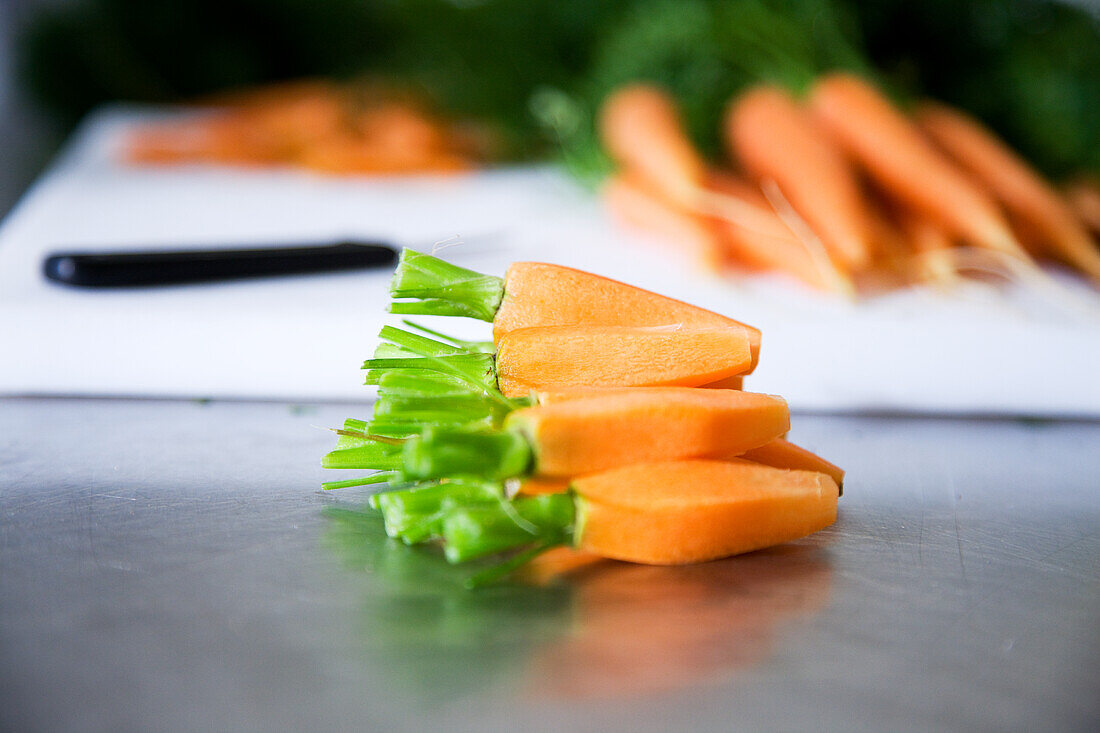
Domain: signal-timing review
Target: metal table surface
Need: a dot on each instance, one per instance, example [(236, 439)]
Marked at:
[(169, 566)]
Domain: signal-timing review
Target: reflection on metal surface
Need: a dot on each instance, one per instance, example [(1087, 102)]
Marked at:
[(438, 639), (642, 629), (580, 626)]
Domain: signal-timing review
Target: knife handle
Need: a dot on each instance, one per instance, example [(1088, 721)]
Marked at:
[(126, 269)]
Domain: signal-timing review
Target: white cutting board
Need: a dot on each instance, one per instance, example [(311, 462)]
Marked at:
[(978, 351)]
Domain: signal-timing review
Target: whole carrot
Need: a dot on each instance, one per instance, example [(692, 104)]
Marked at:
[(898, 157), (640, 127), (774, 138), (1019, 187)]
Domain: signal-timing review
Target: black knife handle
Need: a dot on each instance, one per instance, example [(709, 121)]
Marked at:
[(126, 269)]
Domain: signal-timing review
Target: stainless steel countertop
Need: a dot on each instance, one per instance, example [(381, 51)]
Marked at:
[(168, 566)]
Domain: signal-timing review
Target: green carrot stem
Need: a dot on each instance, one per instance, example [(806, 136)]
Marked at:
[(375, 478), (473, 531), (415, 514), (475, 368), (421, 383), (440, 288), (371, 455), (484, 347), (439, 452), (418, 344)]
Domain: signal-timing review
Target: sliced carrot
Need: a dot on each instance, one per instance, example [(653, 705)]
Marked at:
[(727, 383), (1018, 186), (581, 436), (538, 294), (781, 453), (894, 153), (637, 203), (549, 357), (775, 138), (676, 512)]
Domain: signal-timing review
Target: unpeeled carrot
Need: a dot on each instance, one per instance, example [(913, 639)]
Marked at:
[(1083, 197), (582, 436), (640, 127), (898, 157), (1019, 187), (636, 202), (775, 138), (554, 357), (677, 512)]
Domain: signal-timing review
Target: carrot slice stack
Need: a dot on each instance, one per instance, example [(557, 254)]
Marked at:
[(602, 417)]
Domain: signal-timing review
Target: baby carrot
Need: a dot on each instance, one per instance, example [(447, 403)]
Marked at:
[(599, 431), (539, 294), (689, 511), (661, 513), (556, 357)]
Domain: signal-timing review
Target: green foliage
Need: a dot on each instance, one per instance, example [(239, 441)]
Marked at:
[(537, 69), (1028, 68)]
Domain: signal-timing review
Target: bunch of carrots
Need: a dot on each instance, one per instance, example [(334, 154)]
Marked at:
[(600, 417), (321, 126), (842, 190)]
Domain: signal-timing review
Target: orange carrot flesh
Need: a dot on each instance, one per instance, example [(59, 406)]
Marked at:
[(781, 453), (1016, 184), (727, 383), (637, 203), (550, 357), (678, 512), (895, 154), (537, 294), (581, 436), (539, 486), (774, 138)]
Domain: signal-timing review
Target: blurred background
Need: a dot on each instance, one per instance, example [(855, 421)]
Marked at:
[(236, 122), (1027, 67)]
